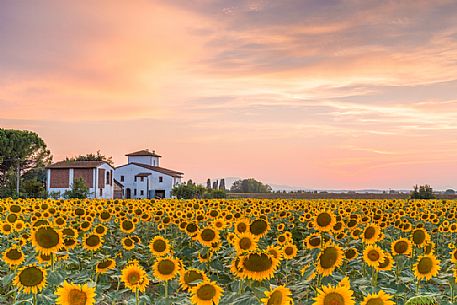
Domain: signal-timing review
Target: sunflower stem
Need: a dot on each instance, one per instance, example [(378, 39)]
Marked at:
[(34, 299), (418, 286), (137, 297), (166, 289), (52, 261)]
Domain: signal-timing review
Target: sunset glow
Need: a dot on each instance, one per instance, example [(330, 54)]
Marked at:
[(316, 94)]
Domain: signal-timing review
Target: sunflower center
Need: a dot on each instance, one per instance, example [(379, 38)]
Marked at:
[(100, 230), (13, 254), (241, 227), (166, 267), (369, 232), (334, 298), (77, 297), (128, 242), (328, 257), (245, 243), (324, 219), (401, 247), (373, 255), (192, 276), (289, 250), (105, 264), (425, 265), (275, 298), (160, 245), (350, 253), (315, 241), (93, 241), (385, 263), (191, 228), (258, 227), (206, 292), (47, 237), (133, 277), (31, 276), (258, 262), (127, 225), (375, 301), (208, 235), (419, 237)]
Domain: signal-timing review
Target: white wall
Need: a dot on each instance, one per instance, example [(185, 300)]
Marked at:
[(149, 160), (107, 192), (130, 170)]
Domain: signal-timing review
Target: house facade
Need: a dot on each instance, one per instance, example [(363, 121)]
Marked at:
[(98, 176), (143, 177)]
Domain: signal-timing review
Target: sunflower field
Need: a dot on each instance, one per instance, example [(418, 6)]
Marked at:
[(244, 251)]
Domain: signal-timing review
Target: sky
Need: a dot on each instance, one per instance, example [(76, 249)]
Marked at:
[(315, 94)]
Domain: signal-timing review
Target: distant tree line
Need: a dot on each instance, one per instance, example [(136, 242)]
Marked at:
[(422, 192), (250, 186)]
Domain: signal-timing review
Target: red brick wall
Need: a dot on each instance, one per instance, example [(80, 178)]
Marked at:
[(101, 178), (60, 178), (86, 174)]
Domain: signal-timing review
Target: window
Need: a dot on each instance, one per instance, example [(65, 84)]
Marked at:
[(141, 192), (142, 179), (122, 178), (160, 179), (134, 192), (107, 177), (101, 192)]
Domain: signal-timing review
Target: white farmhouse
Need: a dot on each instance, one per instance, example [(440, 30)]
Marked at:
[(143, 177), (98, 176)]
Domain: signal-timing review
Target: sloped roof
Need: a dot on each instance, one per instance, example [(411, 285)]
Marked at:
[(159, 169), (76, 164), (144, 152)]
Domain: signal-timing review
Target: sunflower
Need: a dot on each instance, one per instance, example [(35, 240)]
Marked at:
[(259, 227), (313, 241), (373, 255), (189, 278), (205, 256), (92, 242), (371, 234), (387, 263), (241, 226), (206, 293), (105, 265), (166, 268), (159, 246), (258, 265), (100, 230), (426, 267), (454, 256), (380, 298), (47, 240), (278, 296), (329, 259), (401, 246), (351, 254), (334, 295), (245, 242), (127, 226), (207, 236), (13, 256), (128, 243), (30, 279), (74, 294), (289, 251), (134, 277), (324, 221), (420, 237), (275, 251)]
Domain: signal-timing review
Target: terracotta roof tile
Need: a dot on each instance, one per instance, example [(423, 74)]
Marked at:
[(144, 152), (76, 164)]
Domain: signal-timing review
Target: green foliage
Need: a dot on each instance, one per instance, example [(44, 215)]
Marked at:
[(212, 193), (188, 190), (422, 300), (79, 189), (422, 192), (28, 151), (250, 186), (92, 157)]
